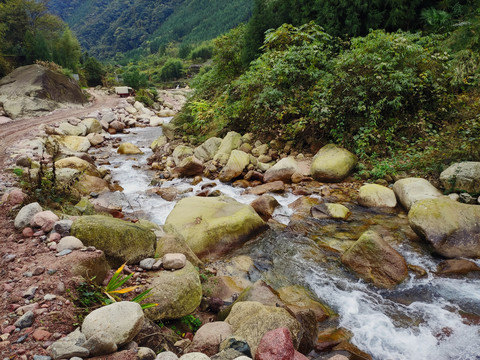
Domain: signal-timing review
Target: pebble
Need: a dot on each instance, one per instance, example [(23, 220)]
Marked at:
[(51, 271), (63, 252), (27, 232), (147, 264), (49, 297), (54, 237), (9, 329), (28, 274), (38, 233), (25, 320), (20, 340), (41, 335), (39, 270), (7, 287), (41, 357), (30, 293), (9, 257), (157, 265)]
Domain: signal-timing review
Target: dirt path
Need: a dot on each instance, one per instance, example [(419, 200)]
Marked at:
[(17, 130)]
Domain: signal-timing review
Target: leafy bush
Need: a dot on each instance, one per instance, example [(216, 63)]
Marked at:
[(172, 70), (135, 79), (202, 52), (145, 97)]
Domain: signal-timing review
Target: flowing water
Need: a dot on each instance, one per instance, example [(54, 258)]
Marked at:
[(427, 317)]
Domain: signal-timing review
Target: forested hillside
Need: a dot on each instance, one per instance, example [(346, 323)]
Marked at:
[(107, 28)]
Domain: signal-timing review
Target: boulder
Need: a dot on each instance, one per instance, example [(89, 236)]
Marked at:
[(299, 299), (230, 142), (69, 346), (237, 162), (189, 166), (207, 150), (169, 131), (374, 260), (66, 128), (411, 190), (44, 220), (71, 143), (158, 142), (155, 121), (276, 187), (122, 241), (211, 226), (456, 267), (251, 320), (328, 210), (181, 152), (463, 176), (101, 343), (33, 90), (87, 264), (177, 293), (76, 163), (282, 170), (25, 215), (108, 115), (265, 206), (87, 184), (117, 125), (95, 139), (208, 338), (93, 126), (129, 149), (276, 345), (373, 195), (332, 164), (121, 320), (452, 228)]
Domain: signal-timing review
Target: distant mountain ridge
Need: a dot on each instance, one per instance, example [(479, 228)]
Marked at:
[(107, 27)]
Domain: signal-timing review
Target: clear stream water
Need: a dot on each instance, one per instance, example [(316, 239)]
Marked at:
[(423, 318)]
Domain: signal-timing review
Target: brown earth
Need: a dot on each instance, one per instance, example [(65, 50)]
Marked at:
[(27, 261)]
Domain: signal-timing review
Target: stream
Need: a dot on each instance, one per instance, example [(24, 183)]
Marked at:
[(426, 317)]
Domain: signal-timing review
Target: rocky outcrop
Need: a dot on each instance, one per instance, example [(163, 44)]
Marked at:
[(411, 190), (121, 241), (211, 226), (374, 260), (332, 164), (463, 176), (373, 195), (177, 293), (452, 228), (34, 90)]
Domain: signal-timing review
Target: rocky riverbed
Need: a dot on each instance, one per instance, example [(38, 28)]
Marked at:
[(281, 254)]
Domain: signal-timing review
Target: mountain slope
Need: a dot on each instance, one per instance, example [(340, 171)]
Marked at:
[(107, 27)]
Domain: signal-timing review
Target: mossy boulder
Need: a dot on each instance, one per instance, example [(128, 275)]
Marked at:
[(299, 299), (181, 152), (329, 210), (71, 143), (168, 243), (374, 195), (122, 241), (207, 150), (332, 164), (237, 162), (250, 320), (93, 126), (91, 184), (452, 228), (375, 261), (177, 293), (66, 128), (211, 226), (76, 163), (129, 149), (159, 142), (230, 142), (463, 176)]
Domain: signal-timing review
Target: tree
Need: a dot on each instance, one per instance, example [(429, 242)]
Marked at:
[(93, 71), (67, 51)]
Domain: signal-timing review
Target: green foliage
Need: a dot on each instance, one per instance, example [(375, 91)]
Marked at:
[(133, 78), (172, 70), (145, 97), (93, 71), (202, 52), (191, 322)]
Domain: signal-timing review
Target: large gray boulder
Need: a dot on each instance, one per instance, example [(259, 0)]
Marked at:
[(463, 176), (374, 260), (411, 190), (34, 90), (177, 293), (282, 170), (69, 346), (122, 241), (452, 228), (211, 226), (237, 162), (207, 150), (121, 320), (332, 164), (26, 214)]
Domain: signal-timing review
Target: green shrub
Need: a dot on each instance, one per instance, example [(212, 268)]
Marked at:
[(172, 70), (202, 52)]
